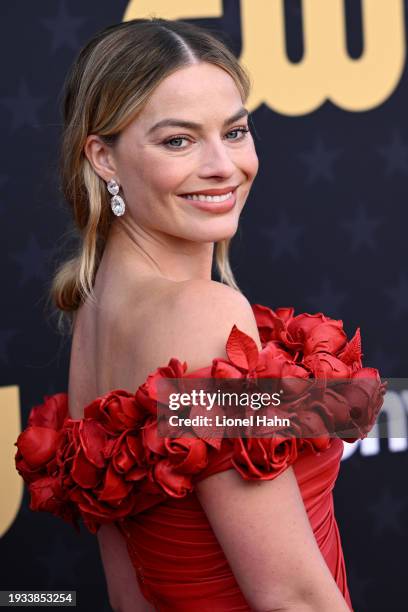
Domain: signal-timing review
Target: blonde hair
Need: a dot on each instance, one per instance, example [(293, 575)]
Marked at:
[(108, 83)]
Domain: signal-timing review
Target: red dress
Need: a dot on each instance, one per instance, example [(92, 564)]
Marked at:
[(112, 466)]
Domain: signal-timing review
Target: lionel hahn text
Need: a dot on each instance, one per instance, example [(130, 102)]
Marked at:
[(222, 421)]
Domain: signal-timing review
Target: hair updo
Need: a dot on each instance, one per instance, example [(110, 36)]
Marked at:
[(109, 82)]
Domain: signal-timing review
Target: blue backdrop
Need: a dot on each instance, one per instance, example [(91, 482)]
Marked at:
[(324, 229)]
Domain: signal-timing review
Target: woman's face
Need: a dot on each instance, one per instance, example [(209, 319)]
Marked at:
[(157, 165)]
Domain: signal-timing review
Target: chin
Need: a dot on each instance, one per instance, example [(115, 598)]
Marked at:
[(215, 230)]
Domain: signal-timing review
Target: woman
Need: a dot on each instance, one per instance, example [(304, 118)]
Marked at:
[(157, 163)]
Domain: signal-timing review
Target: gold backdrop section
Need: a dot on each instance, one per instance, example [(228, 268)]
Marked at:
[(11, 484), (326, 72)]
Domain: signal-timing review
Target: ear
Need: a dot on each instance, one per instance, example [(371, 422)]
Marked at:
[(100, 157)]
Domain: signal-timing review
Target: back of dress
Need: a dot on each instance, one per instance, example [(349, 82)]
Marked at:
[(111, 466)]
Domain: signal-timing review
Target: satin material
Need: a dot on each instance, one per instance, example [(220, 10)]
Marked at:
[(112, 465), (179, 563)]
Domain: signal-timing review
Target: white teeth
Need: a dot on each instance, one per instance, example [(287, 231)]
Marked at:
[(208, 198)]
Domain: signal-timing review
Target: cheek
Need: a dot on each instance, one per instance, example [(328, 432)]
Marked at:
[(251, 162), (147, 168), (166, 176), (247, 161)]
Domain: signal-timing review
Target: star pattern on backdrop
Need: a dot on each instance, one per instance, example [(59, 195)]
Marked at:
[(361, 229), (395, 155), (23, 107), (63, 28), (33, 260), (389, 512), (327, 299), (398, 295), (319, 161), (326, 220), (283, 237)]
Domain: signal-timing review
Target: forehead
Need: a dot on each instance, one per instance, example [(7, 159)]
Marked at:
[(198, 88)]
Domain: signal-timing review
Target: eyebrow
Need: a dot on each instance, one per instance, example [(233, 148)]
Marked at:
[(192, 125)]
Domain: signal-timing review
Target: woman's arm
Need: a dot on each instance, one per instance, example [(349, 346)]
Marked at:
[(123, 589), (266, 536), (263, 526)]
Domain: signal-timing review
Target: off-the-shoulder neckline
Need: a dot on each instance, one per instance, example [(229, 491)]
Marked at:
[(192, 373), (256, 307), (267, 321)]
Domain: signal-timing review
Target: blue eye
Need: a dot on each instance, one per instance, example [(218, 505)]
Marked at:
[(175, 138), (243, 130)]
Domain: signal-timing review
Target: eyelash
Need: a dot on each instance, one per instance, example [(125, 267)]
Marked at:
[(244, 131)]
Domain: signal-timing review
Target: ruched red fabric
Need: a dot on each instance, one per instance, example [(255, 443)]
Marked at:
[(111, 466), (179, 563)]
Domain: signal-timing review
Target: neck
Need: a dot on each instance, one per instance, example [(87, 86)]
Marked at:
[(158, 254)]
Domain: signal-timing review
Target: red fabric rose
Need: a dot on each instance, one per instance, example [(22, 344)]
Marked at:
[(147, 393), (173, 460), (319, 344), (106, 465), (112, 463), (51, 413), (185, 457), (305, 333), (35, 459), (365, 395), (264, 458)]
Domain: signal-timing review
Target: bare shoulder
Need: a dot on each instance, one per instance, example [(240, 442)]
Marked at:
[(213, 307), (203, 314), (211, 294), (189, 320)]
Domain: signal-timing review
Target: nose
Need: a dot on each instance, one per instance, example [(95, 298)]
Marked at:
[(217, 160)]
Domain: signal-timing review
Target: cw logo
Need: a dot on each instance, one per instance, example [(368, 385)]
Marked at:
[(326, 71)]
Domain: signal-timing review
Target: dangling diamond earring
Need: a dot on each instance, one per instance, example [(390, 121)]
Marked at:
[(117, 202)]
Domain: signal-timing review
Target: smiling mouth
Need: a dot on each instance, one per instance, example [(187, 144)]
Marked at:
[(216, 204), (208, 198), (211, 195)]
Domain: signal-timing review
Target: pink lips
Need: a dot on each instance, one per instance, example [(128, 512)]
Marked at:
[(214, 207)]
